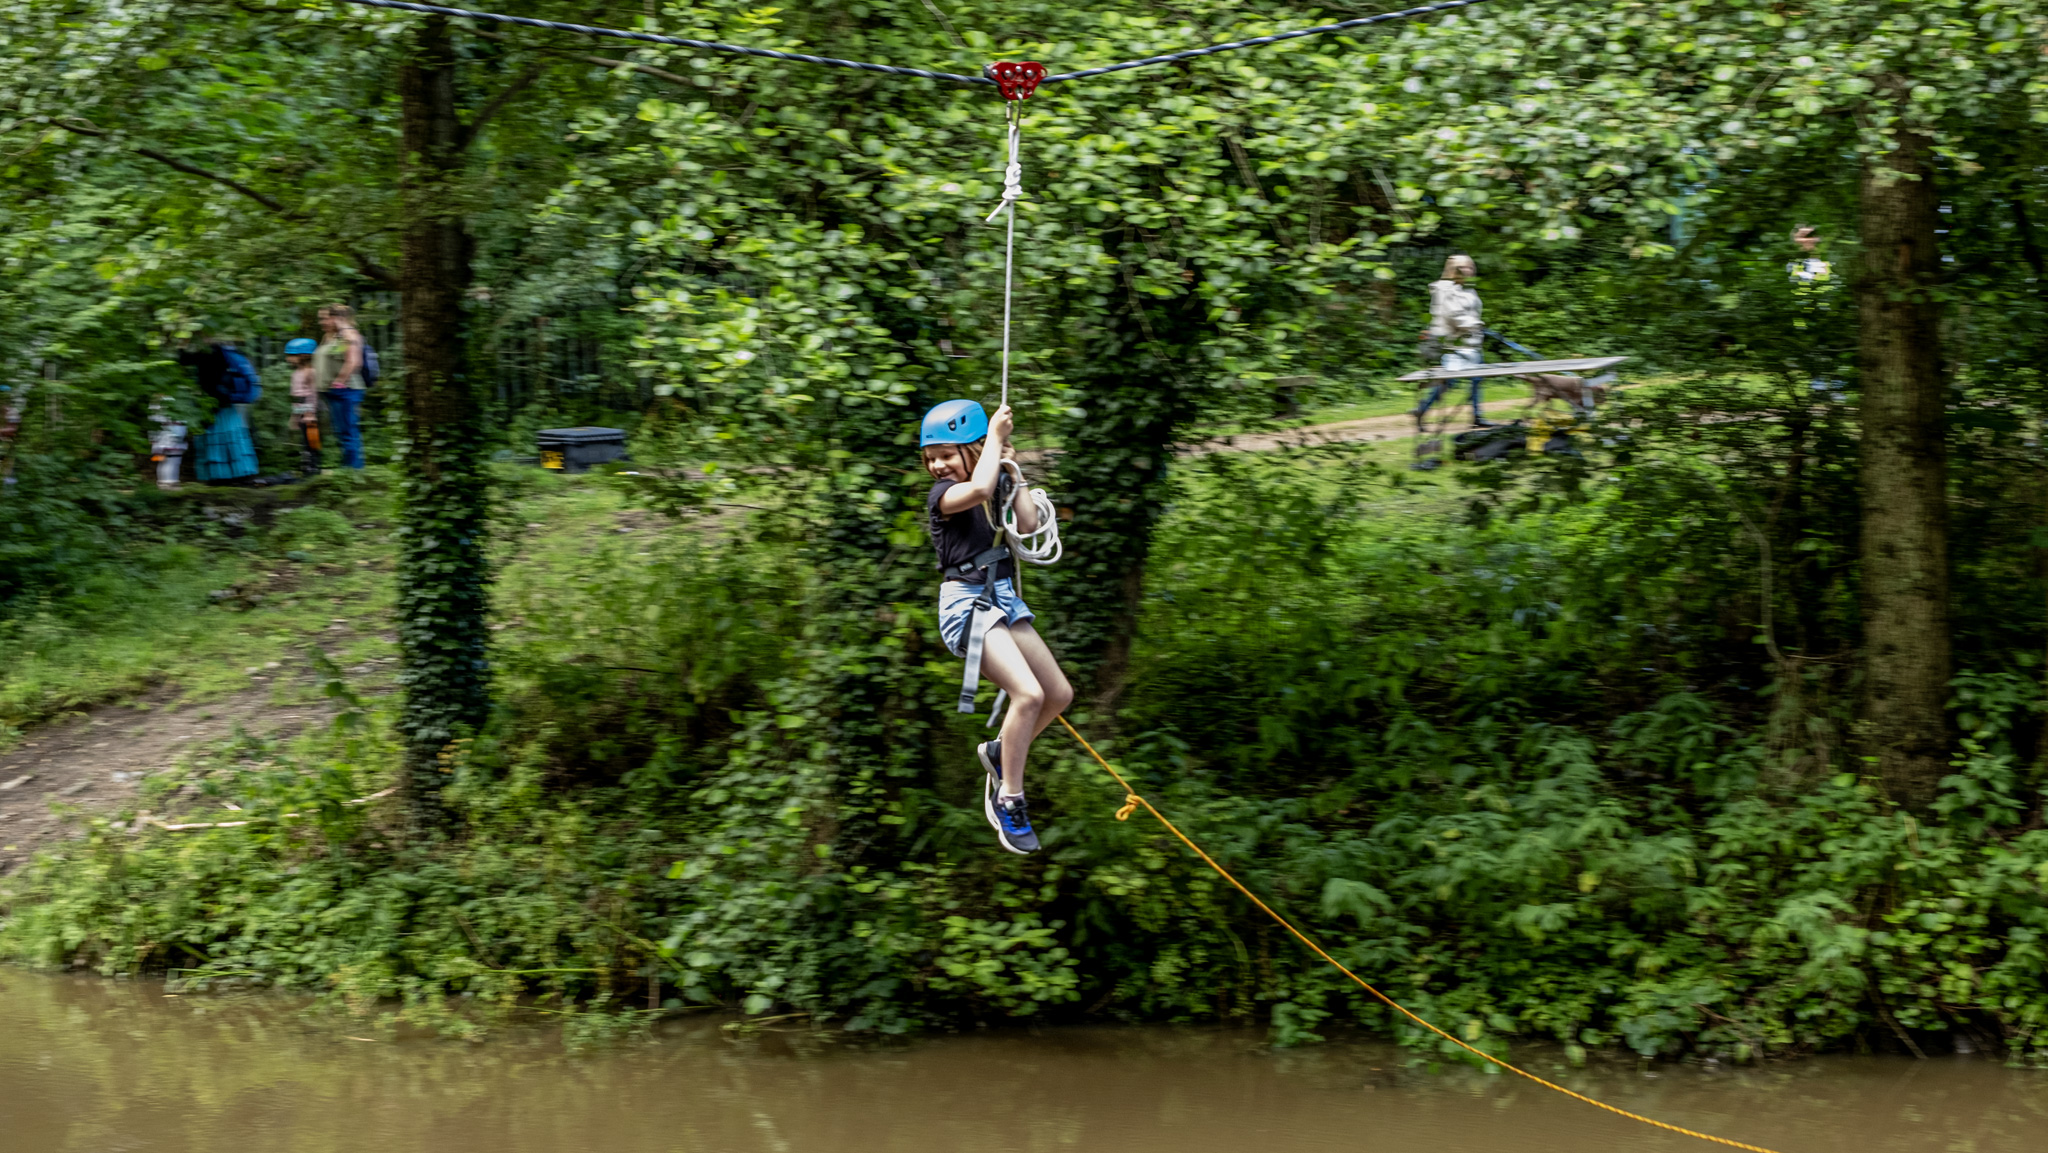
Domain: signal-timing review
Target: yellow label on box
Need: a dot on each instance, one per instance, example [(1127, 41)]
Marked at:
[(550, 459)]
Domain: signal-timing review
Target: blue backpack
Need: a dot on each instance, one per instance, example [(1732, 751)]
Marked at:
[(371, 369), (243, 385)]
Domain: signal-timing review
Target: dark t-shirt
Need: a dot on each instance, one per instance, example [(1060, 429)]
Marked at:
[(962, 536), (210, 365)]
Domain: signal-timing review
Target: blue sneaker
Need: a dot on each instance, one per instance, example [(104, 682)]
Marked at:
[(1013, 826)]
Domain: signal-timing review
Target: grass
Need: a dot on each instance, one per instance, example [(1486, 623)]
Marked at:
[(1498, 390), (265, 583), (294, 569), (299, 568)]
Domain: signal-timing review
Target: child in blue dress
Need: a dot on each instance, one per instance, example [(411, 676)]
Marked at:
[(964, 451)]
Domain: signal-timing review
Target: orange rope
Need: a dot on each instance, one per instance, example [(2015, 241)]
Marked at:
[(1131, 803)]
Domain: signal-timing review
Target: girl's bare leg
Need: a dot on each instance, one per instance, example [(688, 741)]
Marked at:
[(1003, 663), (1016, 658), (1051, 679)]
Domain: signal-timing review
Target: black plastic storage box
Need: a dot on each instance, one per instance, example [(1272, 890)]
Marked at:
[(576, 449)]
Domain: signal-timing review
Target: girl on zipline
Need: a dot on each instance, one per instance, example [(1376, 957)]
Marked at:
[(964, 451)]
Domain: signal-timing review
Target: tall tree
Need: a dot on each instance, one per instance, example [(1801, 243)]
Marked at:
[(1905, 472), (443, 572)]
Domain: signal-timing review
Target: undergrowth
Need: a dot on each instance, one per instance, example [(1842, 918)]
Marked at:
[(1492, 765), (198, 587)]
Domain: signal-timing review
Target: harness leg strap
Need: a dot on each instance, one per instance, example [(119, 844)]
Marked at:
[(985, 615)]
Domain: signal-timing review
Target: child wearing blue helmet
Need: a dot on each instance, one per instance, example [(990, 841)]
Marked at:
[(981, 615), (298, 351)]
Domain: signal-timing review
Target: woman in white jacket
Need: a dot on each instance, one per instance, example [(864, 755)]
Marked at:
[(1456, 327)]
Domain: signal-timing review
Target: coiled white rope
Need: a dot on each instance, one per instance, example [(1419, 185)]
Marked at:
[(1042, 545)]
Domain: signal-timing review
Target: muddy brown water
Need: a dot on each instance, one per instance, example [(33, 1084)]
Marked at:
[(103, 1066)]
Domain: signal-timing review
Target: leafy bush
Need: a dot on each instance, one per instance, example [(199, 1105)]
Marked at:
[(1436, 748)]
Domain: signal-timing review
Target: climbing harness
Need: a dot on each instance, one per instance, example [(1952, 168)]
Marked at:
[(1040, 547), (1133, 802), (983, 618)]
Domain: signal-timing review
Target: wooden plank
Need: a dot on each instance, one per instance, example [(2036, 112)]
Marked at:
[(1516, 368)]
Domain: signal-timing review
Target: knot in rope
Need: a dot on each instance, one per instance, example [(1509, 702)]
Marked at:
[(1130, 806), (1013, 189), (1013, 172)]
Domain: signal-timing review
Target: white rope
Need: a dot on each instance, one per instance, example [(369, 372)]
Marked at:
[(1013, 188), (1042, 545)]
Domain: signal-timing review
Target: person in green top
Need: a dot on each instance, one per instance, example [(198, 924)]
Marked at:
[(338, 374)]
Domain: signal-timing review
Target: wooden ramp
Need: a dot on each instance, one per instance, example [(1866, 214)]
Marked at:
[(1516, 368)]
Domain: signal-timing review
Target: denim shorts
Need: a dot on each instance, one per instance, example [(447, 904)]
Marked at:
[(956, 609)]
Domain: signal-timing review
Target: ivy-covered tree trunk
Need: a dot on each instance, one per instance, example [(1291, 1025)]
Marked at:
[(443, 579), (1113, 472), (1904, 476)]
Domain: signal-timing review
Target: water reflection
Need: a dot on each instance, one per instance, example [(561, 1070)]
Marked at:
[(91, 1065)]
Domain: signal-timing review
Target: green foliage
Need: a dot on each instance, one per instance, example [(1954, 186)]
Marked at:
[(195, 588), (309, 527), (1556, 749), (1434, 746)]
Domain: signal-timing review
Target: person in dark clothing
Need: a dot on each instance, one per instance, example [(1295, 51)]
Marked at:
[(226, 452), (964, 450)]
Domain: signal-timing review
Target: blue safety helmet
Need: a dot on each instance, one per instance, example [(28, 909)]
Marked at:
[(953, 422), (301, 346)]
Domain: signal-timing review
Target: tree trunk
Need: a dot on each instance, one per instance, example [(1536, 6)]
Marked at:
[(443, 578), (1113, 474), (1904, 477)]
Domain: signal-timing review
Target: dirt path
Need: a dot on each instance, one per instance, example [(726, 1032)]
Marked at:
[(97, 762), (1400, 426), (1397, 427)]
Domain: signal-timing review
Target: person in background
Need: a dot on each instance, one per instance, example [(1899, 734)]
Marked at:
[(1813, 286), (338, 373), (298, 352), (1809, 268), (12, 405), (1457, 331), (227, 453), (167, 443)]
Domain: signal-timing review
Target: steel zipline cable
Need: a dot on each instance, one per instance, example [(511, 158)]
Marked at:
[(895, 70)]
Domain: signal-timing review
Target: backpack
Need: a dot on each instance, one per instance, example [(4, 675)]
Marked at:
[(371, 370), (240, 376)]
